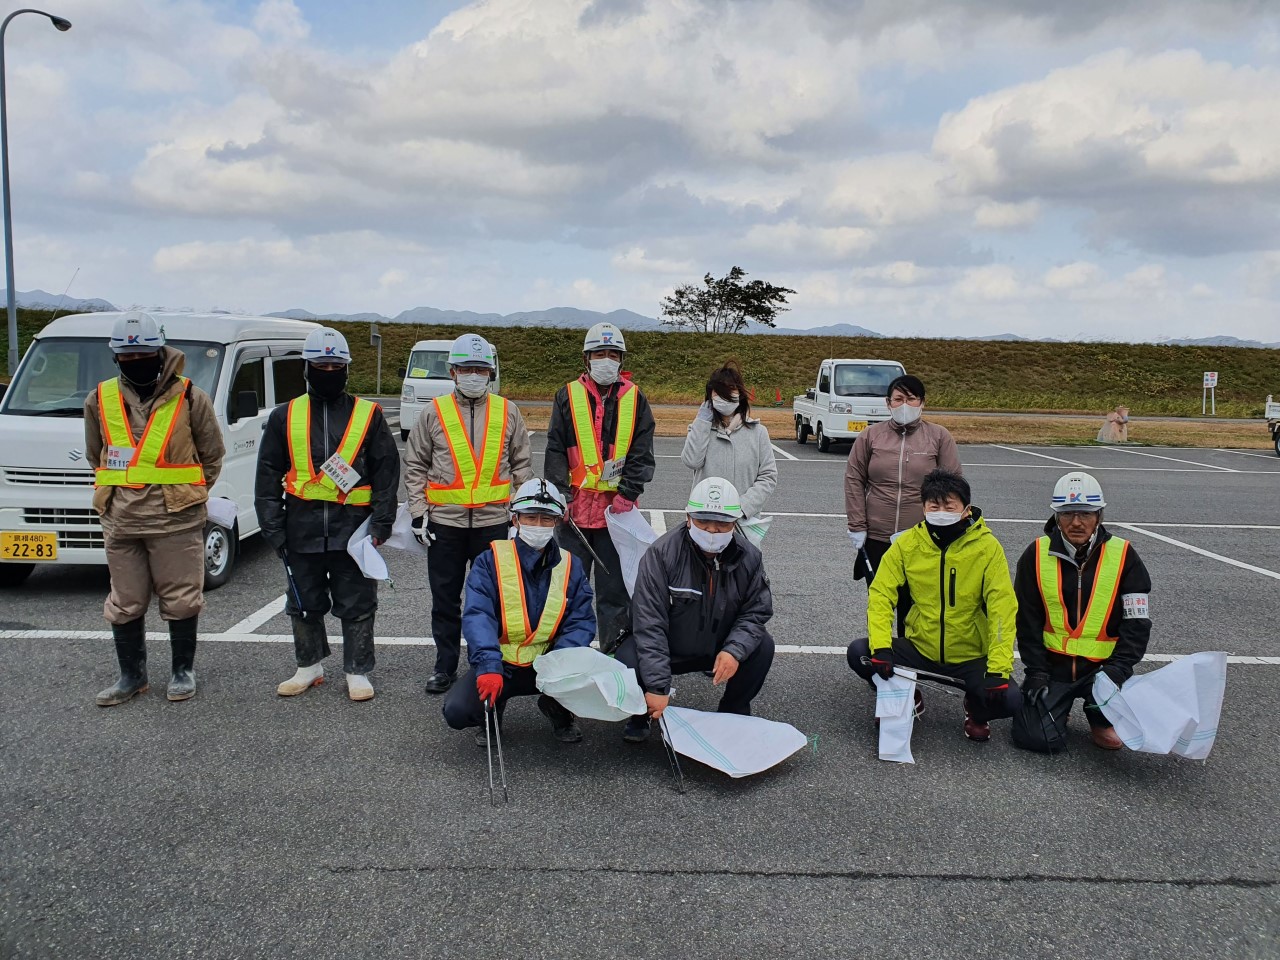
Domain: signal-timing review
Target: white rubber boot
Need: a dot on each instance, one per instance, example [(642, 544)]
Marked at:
[(359, 687), (302, 681)]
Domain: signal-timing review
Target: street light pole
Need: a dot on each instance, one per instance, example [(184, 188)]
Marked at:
[(63, 25)]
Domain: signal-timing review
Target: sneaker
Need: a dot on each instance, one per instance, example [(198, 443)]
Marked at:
[(302, 681), (359, 687), (440, 682), (636, 730), (979, 732), (563, 723), (1106, 738)]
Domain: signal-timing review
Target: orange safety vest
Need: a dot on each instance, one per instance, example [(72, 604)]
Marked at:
[(1089, 639), (303, 480), (586, 474), (472, 486), (147, 463), (521, 642)]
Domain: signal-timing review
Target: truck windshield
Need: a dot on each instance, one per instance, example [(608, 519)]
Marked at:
[(864, 379), (429, 365), (61, 372)]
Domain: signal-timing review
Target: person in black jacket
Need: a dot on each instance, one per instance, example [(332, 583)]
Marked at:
[(308, 510), (701, 602), (1083, 606)]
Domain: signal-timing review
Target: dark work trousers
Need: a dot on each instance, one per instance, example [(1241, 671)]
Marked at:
[(332, 576), (973, 673), (448, 558), (462, 706), (742, 688), (613, 603), (876, 549), (1034, 730)]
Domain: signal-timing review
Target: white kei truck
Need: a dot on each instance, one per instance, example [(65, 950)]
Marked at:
[(247, 365), (427, 376), (847, 397), (1272, 413)]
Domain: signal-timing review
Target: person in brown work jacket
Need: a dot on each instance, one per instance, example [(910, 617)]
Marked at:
[(887, 464), (154, 440)]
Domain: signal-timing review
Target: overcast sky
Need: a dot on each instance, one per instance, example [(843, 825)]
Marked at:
[(1109, 170)]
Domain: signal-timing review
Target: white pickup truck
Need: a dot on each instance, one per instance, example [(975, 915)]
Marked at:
[(1273, 422), (847, 397)]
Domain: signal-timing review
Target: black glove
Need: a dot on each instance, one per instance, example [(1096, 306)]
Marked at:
[(997, 688), (281, 551), (1116, 673), (420, 531), (882, 662), (1035, 687)]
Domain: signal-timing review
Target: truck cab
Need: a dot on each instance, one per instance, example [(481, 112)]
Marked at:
[(848, 395), (426, 376), (1272, 413), (247, 365)]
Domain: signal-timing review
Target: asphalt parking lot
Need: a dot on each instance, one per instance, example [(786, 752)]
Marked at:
[(239, 824)]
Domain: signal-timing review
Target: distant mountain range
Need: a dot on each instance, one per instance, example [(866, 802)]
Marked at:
[(42, 300)]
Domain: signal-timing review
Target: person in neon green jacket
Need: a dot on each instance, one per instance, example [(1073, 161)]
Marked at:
[(963, 619)]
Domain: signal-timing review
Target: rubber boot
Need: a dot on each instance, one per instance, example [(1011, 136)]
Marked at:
[(357, 656), (182, 641), (311, 646), (131, 652)]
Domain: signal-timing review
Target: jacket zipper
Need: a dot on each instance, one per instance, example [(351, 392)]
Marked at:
[(897, 508), (471, 513), (953, 588), (942, 607)]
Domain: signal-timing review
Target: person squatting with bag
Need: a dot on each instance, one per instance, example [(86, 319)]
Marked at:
[(154, 441), (524, 597), (964, 618), (308, 516)]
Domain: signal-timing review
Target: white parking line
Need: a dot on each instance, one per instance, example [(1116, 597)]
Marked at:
[(778, 449), (1156, 456), (1204, 553), (1032, 453), (256, 619), (1039, 520), (1245, 453), (658, 521)]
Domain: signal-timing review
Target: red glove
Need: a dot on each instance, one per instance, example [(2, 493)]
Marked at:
[(489, 686), (621, 504)]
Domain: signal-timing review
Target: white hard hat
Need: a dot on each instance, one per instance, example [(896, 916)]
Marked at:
[(326, 345), (538, 496), (136, 332), (714, 498), (604, 336), (471, 350), (1077, 491)]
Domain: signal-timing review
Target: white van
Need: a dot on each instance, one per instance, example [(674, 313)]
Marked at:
[(427, 377), (247, 365)]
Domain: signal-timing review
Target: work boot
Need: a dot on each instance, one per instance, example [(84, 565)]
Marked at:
[(359, 687), (977, 730), (563, 723), (1106, 738), (440, 682), (182, 641), (357, 656), (636, 730), (303, 680), (131, 652), (310, 645)]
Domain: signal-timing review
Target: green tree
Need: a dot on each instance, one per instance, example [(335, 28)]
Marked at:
[(725, 305)]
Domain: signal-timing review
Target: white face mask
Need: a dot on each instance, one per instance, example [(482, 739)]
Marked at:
[(708, 541), (536, 537), (473, 385), (605, 372), (726, 408), (905, 414), (942, 518)]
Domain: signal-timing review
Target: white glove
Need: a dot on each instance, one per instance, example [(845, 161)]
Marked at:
[(704, 412), (859, 538), (420, 531)]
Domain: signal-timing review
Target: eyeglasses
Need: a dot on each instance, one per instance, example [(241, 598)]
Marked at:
[(1078, 516)]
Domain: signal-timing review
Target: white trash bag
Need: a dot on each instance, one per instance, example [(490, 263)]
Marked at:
[(756, 529), (1171, 710), (896, 708), (588, 684), (631, 535), (731, 743), (402, 537), (361, 549), (223, 511)]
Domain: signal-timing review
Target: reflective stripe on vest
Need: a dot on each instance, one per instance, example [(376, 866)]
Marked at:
[(148, 464), (587, 473), (303, 480), (521, 644), (472, 487), (1089, 639)]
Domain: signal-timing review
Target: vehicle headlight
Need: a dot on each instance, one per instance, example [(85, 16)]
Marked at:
[(842, 408), (407, 393)]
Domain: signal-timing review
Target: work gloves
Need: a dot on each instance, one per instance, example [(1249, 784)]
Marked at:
[(621, 504), (420, 531), (997, 689), (1035, 687), (882, 662), (1115, 673), (489, 686), (859, 538)]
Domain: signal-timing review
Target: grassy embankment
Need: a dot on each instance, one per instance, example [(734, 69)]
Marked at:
[(1084, 378)]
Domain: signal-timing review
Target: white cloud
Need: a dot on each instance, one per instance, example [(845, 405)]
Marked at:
[(997, 282), (637, 260), (280, 19), (1006, 216), (794, 239), (1072, 276)]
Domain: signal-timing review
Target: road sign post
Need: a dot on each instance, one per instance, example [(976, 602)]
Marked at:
[(1207, 397), (375, 340)]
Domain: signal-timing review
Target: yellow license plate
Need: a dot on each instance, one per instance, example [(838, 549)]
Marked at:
[(858, 425), (28, 546)]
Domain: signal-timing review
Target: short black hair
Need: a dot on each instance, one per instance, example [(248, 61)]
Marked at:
[(940, 484), (913, 386)]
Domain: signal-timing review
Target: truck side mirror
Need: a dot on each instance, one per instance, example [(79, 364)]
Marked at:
[(401, 371), (244, 407)]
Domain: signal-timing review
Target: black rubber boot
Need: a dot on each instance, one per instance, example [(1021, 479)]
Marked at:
[(182, 640), (131, 652)]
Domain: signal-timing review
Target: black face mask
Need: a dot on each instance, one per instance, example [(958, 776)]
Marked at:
[(327, 384), (142, 372)]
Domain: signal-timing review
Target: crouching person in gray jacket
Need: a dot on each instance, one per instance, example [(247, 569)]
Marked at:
[(701, 602)]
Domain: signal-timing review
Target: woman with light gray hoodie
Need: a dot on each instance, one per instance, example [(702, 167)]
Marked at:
[(724, 441)]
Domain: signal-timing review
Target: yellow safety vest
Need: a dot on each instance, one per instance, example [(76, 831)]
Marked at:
[(586, 474), (521, 643), (472, 487), (148, 463), (303, 480), (1089, 639)]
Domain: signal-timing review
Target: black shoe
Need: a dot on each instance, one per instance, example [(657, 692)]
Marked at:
[(563, 722), (440, 682), (636, 730)]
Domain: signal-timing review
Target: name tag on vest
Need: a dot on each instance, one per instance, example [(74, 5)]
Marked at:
[(612, 469), (341, 473), (119, 458)]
